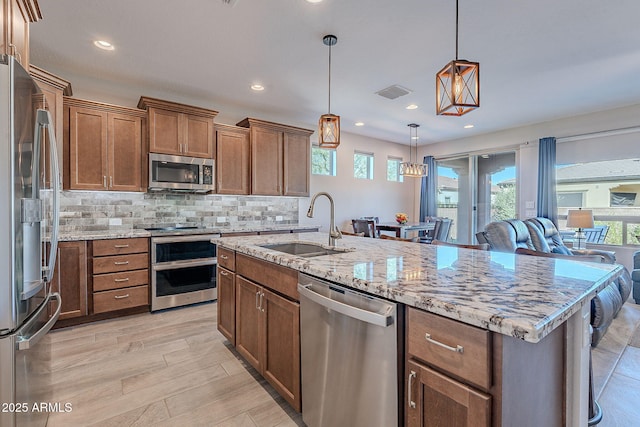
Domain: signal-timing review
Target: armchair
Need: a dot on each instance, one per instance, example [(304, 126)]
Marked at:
[(506, 236), (635, 276), (546, 238)]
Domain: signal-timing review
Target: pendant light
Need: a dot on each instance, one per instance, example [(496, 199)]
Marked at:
[(329, 124), (411, 169), (458, 85)]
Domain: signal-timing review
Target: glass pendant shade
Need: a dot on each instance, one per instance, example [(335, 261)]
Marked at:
[(411, 169), (329, 131), (329, 124), (458, 88), (458, 85)]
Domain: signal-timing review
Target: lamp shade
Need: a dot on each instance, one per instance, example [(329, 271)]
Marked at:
[(580, 218)]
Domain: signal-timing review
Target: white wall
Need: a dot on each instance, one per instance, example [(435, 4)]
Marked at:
[(355, 198)]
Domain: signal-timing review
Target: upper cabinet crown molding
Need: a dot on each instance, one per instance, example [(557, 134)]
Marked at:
[(111, 108), (51, 79), (146, 102), (31, 9), (249, 122)]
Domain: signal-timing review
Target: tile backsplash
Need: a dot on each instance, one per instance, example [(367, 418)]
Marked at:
[(92, 210)]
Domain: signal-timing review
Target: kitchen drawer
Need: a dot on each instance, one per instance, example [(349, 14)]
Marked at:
[(120, 299), (280, 279), (120, 246), (472, 364), (227, 258), (125, 279), (115, 263)]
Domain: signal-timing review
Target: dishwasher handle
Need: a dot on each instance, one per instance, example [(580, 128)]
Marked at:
[(377, 319)]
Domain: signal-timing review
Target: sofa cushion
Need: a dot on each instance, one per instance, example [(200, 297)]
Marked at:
[(561, 250), (635, 275)]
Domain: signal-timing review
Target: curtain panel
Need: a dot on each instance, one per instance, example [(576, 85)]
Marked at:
[(547, 197), (428, 193)]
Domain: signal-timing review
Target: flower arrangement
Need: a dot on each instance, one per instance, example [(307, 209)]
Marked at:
[(401, 218)]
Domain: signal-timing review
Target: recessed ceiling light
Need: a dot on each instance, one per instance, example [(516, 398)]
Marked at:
[(257, 87), (359, 123), (411, 107), (104, 45), (314, 1), (468, 126)]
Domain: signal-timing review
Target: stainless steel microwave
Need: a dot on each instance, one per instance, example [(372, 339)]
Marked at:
[(180, 173)]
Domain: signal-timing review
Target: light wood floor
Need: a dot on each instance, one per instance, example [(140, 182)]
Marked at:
[(174, 369), (170, 368)]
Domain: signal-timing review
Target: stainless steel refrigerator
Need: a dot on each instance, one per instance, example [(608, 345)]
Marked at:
[(29, 212)]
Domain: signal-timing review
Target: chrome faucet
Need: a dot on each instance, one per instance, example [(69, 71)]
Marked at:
[(334, 233)]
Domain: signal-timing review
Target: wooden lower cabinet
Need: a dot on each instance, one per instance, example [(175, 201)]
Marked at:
[(435, 399), (70, 278), (226, 304), (267, 335)]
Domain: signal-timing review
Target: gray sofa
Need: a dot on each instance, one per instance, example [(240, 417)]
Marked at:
[(540, 236), (635, 275)]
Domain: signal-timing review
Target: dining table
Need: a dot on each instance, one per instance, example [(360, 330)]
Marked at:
[(402, 229)]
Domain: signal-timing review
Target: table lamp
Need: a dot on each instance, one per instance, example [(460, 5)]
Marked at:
[(580, 219)]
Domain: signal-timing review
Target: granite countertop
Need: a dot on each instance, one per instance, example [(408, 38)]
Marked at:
[(140, 232), (517, 295)]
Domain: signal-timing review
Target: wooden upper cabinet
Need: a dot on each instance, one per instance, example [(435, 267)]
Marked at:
[(14, 34), (280, 158), (179, 129), (103, 146), (232, 160)]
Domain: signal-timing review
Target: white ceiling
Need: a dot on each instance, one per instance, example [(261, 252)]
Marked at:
[(539, 60)]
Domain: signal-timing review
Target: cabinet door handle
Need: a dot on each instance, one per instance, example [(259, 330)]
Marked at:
[(261, 296), (120, 246), (456, 349), (224, 257), (121, 296), (121, 262), (412, 375), (126, 279), (110, 182), (257, 295), (223, 273), (15, 53), (104, 181)]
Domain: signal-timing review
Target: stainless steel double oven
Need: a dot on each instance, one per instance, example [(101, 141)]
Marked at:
[(183, 268)]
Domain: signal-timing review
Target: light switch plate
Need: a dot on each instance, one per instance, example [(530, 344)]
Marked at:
[(279, 218), (220, 219), (530, 205), (530, 213)]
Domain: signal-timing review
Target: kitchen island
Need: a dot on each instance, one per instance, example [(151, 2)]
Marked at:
[(527, 305)]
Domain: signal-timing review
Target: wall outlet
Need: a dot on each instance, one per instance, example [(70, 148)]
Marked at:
[(115, 221), (278, 217), (220, 219)]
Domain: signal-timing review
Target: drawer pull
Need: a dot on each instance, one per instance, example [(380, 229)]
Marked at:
[(120, 246), (223, 273), (224, 257), (121, 262), (412, 375), (121, 296), (126, 279), (456, 349)]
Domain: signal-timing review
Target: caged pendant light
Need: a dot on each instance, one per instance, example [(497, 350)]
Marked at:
[(329, 124), (411, 169), (458, 85)]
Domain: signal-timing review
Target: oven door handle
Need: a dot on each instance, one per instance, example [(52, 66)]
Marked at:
[(184, 264)]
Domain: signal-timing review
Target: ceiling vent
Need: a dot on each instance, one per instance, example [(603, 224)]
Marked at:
[(393, 92), (229, 2)]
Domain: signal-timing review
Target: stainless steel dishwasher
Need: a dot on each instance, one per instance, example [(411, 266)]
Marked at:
[(349, 349)]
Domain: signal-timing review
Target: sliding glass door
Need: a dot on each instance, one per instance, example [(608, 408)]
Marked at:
[(476, 190)]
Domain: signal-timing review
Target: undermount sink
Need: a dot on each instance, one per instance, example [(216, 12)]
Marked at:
[(306, 250)]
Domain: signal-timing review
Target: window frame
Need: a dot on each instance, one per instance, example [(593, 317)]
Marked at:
[(370, 164), (397, 160), (333, 161)]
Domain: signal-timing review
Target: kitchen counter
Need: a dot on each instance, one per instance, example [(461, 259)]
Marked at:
[(516, 295), (139, 232)]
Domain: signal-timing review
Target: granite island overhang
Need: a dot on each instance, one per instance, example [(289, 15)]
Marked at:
[(516, 295)]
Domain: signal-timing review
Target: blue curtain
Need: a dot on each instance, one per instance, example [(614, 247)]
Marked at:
[(428, 195), (547, 198)]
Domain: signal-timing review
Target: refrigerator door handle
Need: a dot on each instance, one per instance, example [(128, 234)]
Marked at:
[(24, 342), (44, 120)]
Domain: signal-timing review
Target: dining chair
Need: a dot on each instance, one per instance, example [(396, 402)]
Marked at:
[(480, 247), (402, 239), (431, 234), (366, 226)]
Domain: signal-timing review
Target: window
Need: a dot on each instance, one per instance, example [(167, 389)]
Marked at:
[(363, 165), (323, 161), (610, 189), (393, 169)]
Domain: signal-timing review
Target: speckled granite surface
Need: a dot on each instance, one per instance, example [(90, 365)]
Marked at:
[(517, 295), (121, 234)]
